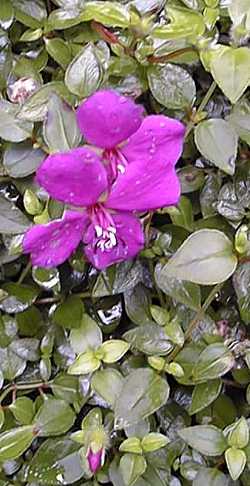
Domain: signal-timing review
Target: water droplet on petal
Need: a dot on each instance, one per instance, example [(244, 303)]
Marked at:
[(162, 124), (123, 99)]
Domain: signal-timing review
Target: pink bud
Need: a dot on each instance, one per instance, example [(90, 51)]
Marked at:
[(19, 91), (95, 459)]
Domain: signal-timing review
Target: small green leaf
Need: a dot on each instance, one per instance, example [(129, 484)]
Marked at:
[(210, 477), (14, 442), (206, 257), (84, 74), (59, 50), (113, 350), (206, 439), (85, 363), (213, 362), (172, 86), (154, 441), (69, 314), (230, 68), (108, 385), (132, 466), (184, 23), (238, 435), (6, 14), (132, 444), (143, 393), (204, 394), (23, 410), (88, 336), (208, 135), (236, 461), (149, 339), (54, 417)]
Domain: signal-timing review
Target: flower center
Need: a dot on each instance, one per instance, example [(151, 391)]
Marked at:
[(104, 226), (115, 162)]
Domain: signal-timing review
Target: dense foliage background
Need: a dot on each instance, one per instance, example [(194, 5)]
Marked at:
[(170, 403)]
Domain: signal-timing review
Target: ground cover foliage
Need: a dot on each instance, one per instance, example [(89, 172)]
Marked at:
[(138, 374)]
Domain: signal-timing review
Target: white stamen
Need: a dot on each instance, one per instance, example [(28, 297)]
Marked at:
[(121, 168), (98, 230)]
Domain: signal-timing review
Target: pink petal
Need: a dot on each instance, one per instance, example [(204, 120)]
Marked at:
[(158, 137), (76, 177), (51, 244), (129, 237), (144, 187), (107, 119)]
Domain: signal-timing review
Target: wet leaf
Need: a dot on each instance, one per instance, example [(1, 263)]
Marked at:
[(144, 391), (54, 417), (210, 249), (84, 73), (206, 439), (14, 442)]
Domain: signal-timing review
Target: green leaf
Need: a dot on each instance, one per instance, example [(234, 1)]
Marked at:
[(132, 466), (210, 477), (69, 314), (184, 24), (36, 106), (154, 441), (184, 292), (239, 118), (11, 364), (63, 18), (12, 220), (31, 35), (20, 297), (23, 410), (171, 86), (54, 417), (11, 128), (85, 363), (14, 442), (149, 339), (57, 462), (204, 394), (59, 50), (206, 257), (132, 444), (208, 135), (88, 336), (238, 435), (6, 14), (31, 13), (236, 461), (206, 439), (60, 130), (113, 350), (241, 281), (84, 74), (1, 418), (112, 14), (21, 160), (143, 393), (230, 68), (65, 387), (213, 362), (108, 385)]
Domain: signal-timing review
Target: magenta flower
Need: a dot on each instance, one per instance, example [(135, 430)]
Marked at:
[(103, 218), (115, 124), (95, 459)]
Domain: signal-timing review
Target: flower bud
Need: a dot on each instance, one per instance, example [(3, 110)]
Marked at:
[(241, 240), (156, 362), (31, 203), (21, 89), (95, 459)]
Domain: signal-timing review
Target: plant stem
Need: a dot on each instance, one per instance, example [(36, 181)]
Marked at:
[(15, 387), (24, 273), (159, 292), (171, 55), (201, 107), (197, 318)]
